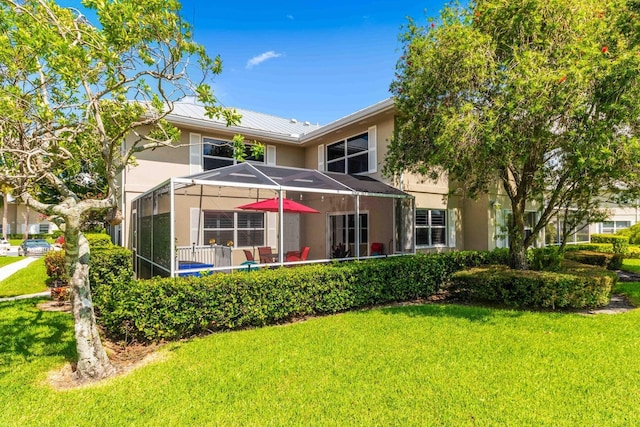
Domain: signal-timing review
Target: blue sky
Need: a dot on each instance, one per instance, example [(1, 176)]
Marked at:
[(311, 60)]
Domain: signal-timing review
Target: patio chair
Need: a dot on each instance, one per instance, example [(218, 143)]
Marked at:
[(250, 260), (304, 253), (377, 249), (266, 256)]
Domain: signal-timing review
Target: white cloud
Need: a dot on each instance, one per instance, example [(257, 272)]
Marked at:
[(256, 60), (290, 17)]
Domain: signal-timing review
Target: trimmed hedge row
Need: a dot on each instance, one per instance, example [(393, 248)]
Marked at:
[(596, 247), (576, 286), (620, 243), (633, 233), (99, 240), (633, 252), (173, 308), (609, 261), (110, 266)]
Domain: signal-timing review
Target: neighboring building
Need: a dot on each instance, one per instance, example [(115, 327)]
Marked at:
[(21, 220)]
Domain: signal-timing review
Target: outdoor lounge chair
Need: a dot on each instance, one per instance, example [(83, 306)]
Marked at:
[(304, 253)]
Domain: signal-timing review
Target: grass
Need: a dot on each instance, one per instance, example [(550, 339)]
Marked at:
[(29, 280), (631, 265), (630, 289), (6, 260), (413, 365)]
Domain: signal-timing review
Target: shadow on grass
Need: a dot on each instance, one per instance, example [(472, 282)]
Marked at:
[(28, 332), (471, 313)]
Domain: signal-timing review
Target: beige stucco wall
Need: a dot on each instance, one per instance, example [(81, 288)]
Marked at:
[(19, 218)]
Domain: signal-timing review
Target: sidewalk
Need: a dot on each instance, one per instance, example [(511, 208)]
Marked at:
[(8, 270)]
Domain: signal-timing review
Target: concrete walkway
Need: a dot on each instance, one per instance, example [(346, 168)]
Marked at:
[(10, 269)]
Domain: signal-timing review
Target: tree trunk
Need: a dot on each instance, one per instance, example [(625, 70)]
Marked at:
[(517, 249), (25, 216), (5, 210), (93, 363)]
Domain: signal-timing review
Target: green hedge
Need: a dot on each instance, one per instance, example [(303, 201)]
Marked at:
[(600, 259), (19, 236), (633, 233), (99, 240), (620, 243), (173, 308), (633, 251), (596, 247), (575, 286)]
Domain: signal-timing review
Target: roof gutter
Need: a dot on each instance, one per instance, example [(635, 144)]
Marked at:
[(381, 107)]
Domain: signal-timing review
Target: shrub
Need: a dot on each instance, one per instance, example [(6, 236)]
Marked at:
[(633, 252), (110, 276), (596, 247), (548, 258), (110, 266), (99, 240), (55, 265), (633, 233), (173, 308), (620, 243), (600, 259), (575, 286)]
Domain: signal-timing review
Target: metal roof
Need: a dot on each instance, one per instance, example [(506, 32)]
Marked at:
[(189, 109)]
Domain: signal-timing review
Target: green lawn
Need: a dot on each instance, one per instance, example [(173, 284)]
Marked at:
[(6, 260), (631, 265), (29, 280), (414, 365), (631, 290)]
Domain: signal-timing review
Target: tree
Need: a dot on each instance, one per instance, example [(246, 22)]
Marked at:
[(70, 93), (5, 191), (540, 96)]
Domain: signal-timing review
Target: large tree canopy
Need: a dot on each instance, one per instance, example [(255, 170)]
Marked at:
[(541, 96), (70, 92)]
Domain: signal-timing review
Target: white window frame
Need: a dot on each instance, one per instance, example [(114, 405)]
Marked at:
[(615, 227), (345, 158), (429, 226), (209, 140), (235, 229)]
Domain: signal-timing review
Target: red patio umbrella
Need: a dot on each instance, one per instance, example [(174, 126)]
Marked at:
[(271, 205)]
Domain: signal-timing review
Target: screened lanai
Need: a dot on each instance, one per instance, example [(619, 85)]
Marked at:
[(186, 225)]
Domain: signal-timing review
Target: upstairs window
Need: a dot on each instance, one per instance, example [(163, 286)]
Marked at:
[(350, 156), (217, 153)]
